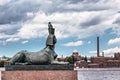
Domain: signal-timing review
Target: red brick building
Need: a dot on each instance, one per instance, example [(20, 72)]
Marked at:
[(117, 56)]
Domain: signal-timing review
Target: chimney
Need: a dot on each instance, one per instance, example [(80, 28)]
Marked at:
[(97, 46), (103, 54)]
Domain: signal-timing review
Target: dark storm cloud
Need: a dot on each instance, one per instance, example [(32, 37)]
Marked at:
[(62, 6), (9, 29), (94, 21), (118, 11), (117, 21), (81, 1), (81, 5), (73, 1), (16, 11)]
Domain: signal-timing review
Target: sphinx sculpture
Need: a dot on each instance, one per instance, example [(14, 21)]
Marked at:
[(45, 56)]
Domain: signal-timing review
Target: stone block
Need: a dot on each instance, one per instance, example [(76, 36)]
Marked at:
[(40, 75)]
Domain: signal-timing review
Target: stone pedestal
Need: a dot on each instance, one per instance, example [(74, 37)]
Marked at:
[(40, 75), (39, 72), (39, 67)]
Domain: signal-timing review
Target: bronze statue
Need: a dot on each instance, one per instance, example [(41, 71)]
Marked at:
[(45, 56), (51, 40)]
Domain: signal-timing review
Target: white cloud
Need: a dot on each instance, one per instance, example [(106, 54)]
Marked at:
[(77, 43), (65, 25), (93, 52), (114, 41), (89, 42), (67, 19), (111, 51), (12, 39), (3, 2), (24, 42), (32, 30)]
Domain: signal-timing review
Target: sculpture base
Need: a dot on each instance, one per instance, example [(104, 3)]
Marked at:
[(39, 67), (40, 75)]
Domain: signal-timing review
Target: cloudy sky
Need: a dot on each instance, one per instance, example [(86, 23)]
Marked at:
[(24, 23)]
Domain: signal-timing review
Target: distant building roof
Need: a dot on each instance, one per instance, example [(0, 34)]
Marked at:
[(75, 51)]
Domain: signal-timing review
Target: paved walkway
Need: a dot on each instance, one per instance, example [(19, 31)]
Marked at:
[(98, 73)]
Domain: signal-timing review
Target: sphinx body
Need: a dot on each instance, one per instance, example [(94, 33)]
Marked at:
[(45, 56)]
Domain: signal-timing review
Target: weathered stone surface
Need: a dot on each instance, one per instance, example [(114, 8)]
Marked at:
[(39, 67), (40, 75)]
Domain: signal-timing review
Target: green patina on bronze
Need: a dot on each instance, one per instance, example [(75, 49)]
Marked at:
[(45, 56)]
